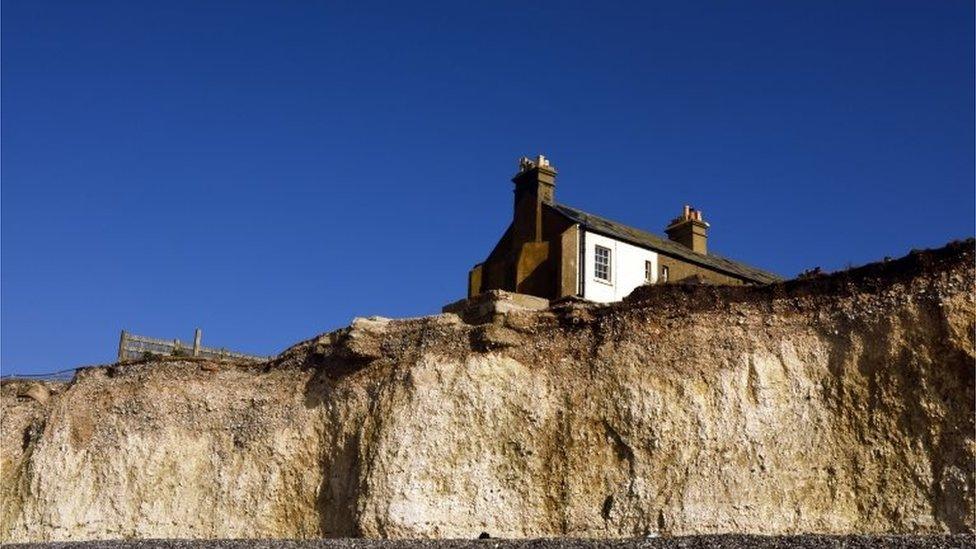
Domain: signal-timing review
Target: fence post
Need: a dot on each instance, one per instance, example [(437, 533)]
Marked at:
[(197, 336), (122, 341)]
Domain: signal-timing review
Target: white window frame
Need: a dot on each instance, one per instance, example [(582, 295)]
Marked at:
[(598, 265), (648, 271), (665, 273)]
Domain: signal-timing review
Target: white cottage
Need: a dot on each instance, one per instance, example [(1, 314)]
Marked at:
[(552, 250)]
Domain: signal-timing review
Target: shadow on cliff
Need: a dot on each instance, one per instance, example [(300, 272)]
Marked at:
[(340, 457), (909, 377)]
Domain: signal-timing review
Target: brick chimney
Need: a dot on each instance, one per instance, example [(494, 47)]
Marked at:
[(689, 230), (535, 185)]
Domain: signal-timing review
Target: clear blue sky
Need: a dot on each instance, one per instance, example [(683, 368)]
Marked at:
[(268, 171)]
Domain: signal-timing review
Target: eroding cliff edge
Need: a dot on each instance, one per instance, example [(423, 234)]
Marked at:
[(839, 404)]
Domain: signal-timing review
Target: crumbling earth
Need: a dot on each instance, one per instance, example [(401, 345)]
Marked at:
[(837, 404), (957, 541)]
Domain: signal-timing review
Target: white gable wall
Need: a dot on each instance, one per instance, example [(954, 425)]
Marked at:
[(626, 268)]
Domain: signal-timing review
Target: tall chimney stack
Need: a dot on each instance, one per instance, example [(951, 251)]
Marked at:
[(535, 185), (689, 230)]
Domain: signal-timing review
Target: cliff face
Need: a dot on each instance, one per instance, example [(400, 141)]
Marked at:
[(834, 405)]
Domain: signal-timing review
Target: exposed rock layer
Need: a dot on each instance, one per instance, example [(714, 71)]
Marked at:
[(721, 541), (840, 404)]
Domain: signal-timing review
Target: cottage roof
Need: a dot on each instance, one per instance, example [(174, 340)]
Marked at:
[(645, 239)]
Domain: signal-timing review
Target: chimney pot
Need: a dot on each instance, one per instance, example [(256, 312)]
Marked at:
[(690, 230)]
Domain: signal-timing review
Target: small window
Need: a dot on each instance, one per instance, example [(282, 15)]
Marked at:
[(602, 263), (664, 273), (648, 271)]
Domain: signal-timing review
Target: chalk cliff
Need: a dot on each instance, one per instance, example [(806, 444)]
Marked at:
[(838, 404)]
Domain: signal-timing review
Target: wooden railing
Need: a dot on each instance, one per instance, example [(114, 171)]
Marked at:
[(132, 347)]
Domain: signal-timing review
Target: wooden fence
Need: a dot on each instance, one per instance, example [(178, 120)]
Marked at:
[(132, 346)]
